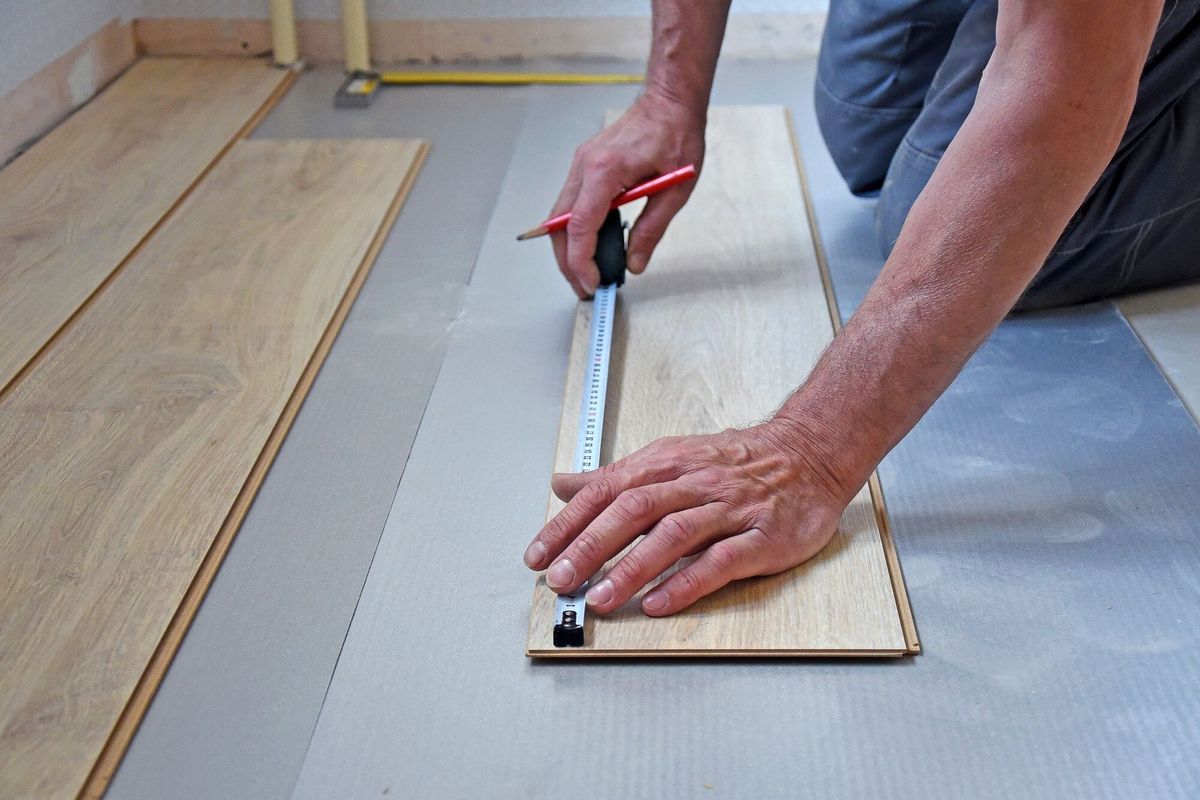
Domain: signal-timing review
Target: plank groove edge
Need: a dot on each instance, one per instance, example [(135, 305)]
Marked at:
[(907, 621)]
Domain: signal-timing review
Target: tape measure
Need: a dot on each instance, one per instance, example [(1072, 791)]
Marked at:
[(361, 86), (571, 609)]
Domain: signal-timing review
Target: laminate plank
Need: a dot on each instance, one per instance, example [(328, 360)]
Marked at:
[(285, 578), (75, 205), (133, 448), (1168, 323), (730, 320)]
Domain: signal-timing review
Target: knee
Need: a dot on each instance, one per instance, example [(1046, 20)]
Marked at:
[(860, 123), (860, 140)]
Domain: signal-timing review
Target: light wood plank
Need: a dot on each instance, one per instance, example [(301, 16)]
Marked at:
[(728, 321), (1168, 323), (131, 451), (78, 202)]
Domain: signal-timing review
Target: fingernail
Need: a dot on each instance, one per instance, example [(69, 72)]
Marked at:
[(561, 573), (534, 554), (655, 601), (637, 263), (601, 593)]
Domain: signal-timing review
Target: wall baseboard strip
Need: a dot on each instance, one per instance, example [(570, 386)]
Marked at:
[(42, 100), (748, 36)]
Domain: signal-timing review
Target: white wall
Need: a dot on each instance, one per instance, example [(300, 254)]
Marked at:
[(35, 32), (450, 9)]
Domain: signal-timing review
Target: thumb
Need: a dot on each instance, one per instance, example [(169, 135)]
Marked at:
[(566, 485), (652, 224)]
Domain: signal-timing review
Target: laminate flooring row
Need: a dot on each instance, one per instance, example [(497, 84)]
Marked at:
[(177, 289)]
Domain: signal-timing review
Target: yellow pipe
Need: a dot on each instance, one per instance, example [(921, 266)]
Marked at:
[(283, 33), (354, 35), (506, 78)]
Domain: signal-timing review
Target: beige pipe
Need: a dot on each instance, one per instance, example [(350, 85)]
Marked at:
[(283, 33), (354, 35)]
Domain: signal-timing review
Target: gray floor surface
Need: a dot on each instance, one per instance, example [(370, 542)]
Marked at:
[(1045, 513)]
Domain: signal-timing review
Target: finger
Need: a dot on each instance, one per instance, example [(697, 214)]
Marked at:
[(652, 224), (671, 539), (634, 512), (741, 556), (658, 462), (599, 187), (567, 485), (558, 239), (589, 493)]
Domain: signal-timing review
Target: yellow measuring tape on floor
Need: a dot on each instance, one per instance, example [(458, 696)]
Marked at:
[(506, 78), (360, 87)]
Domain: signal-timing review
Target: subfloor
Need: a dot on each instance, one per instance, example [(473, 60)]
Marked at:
[(365, 634)]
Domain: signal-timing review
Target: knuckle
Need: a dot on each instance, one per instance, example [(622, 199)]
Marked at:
[(588, 547), (709, 480), (675, 532), (689, 580), (600, 492), (602, 162), (580, 224), (724, 556), (635, 504), (557, 529), (629, 569)]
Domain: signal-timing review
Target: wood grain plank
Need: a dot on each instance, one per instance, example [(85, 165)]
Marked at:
[(1168, 324), (75, 205), (130, 453), (730, 319)]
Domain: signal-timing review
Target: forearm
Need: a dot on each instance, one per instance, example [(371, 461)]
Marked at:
[(683, 57), (1047, 120)]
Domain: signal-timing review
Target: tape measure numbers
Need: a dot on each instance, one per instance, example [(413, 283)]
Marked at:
[(570, 609)]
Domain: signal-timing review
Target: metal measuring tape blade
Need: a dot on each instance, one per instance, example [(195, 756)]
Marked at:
[(571, 609)]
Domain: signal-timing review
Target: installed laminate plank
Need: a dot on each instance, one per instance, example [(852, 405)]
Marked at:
[(728, 321), (78, 202), (132, 449), (1168, 323)]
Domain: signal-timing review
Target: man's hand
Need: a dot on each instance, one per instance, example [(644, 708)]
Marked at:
[(655, 135), (748, 502)]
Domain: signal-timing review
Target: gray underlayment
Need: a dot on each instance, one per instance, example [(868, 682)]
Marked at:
[(1045, 510)]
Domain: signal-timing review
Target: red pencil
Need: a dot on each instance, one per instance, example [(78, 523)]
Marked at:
[(652, 186)]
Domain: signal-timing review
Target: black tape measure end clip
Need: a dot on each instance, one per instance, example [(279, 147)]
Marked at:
[(610, 250)]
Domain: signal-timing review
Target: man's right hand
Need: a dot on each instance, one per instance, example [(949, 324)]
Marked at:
[(655, 135)]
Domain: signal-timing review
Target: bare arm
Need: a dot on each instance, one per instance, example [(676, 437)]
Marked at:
[(1048, 117), (662, 131)]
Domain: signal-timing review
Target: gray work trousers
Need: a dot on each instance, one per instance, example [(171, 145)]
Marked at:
[(896, 79)]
